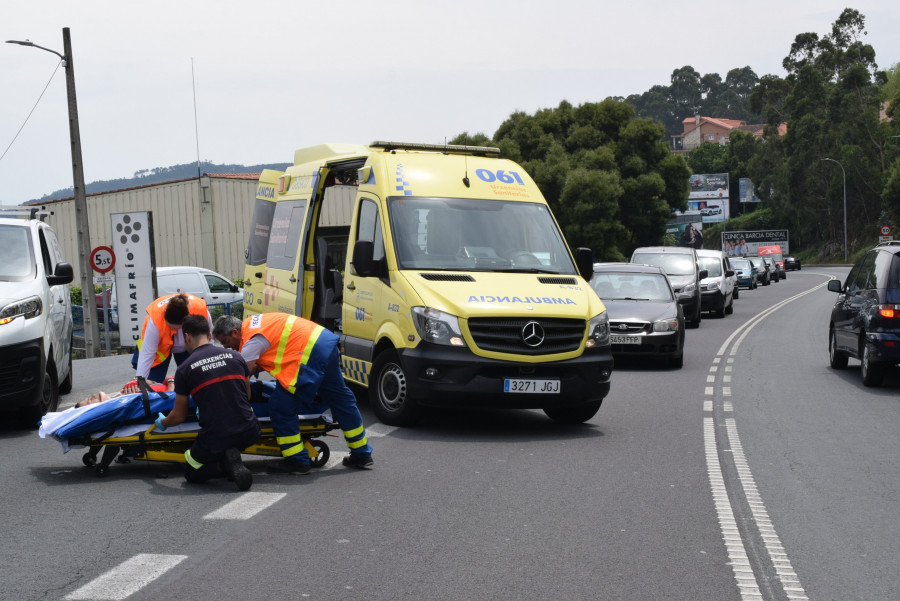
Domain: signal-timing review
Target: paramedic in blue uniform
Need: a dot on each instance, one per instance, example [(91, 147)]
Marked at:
[(219, 382), (305, 361)]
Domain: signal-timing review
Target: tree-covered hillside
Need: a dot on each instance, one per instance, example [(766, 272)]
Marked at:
[(607, 172)]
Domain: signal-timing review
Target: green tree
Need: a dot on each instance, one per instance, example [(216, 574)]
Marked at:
[(608, 176), (830, 101)]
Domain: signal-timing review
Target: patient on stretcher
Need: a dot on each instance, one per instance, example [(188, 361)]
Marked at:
[(131, 387)]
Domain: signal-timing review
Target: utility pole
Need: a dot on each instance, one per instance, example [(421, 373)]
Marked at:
[(844, 174), (82, 228)]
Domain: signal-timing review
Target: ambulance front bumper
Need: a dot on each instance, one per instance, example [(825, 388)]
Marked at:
[(441, 376)]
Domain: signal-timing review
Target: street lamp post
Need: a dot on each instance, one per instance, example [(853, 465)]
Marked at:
[(83, 234), (844, 173)]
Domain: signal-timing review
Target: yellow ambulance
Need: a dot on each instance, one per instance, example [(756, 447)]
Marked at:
[(443, 271)]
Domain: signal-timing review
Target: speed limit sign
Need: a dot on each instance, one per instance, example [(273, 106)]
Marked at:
[(103, 259), (886, 230)]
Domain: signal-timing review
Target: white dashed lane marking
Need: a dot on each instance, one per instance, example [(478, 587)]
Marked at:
[(127, 578), (246, 506)]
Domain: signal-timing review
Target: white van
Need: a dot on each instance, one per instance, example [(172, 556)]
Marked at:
[(212, 287), (719, 289), (35, 316)]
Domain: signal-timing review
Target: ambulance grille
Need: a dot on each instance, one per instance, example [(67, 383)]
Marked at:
[(505, 335), (560, 281), (447, 277)]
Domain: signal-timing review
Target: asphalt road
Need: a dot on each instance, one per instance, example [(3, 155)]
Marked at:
[(755, 472)]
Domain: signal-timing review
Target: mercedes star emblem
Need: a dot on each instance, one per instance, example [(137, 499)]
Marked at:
[(533, 334)]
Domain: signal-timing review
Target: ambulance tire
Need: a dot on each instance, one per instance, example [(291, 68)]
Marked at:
[(389, 393), (573, 415)]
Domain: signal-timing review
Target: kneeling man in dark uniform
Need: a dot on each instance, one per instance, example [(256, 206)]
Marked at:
[(218, 379)]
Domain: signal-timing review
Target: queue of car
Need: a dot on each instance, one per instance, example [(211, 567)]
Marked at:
[(663, 290)]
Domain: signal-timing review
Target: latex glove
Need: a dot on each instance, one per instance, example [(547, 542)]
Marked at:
[(158, 422)]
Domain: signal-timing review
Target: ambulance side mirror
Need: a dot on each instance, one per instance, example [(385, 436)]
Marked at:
[(363, 264), (584, 261)]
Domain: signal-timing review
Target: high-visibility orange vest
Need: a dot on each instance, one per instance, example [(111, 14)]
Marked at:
[(291, 343), (156, 312)]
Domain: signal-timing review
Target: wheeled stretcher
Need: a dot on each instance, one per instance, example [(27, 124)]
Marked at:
[(123, 428)]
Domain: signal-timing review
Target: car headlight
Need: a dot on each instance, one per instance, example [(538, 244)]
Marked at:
[(27, 308), (666, 325), (714, 285), (437, 327), (598, 331), (688, 288)]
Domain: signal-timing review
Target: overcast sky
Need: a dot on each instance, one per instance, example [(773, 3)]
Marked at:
[(273, 76)]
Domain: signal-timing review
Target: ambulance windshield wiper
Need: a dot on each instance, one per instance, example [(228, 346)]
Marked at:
[(529, 270)]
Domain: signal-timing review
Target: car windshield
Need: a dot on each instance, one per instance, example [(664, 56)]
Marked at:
[(758, 262), (477, 235), (671, 263), (631, 286), (16, 259), (712, 265), (740, 264)]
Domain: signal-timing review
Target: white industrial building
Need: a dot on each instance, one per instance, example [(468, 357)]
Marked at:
[(201, 221)]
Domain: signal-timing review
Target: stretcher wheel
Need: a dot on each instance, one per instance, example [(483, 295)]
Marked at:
[(89, 459), (324, 453)]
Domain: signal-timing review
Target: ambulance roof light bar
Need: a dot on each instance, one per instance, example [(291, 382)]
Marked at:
[(445, 148)]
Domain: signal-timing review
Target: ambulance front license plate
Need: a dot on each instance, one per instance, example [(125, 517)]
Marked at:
[(531, 386)]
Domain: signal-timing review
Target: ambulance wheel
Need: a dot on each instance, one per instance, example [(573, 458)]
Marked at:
[(89, 460), (573, 415), (324, 453), (389, 392)]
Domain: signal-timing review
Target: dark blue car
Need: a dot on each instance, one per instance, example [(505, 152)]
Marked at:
[(865, 319), (744, 271)]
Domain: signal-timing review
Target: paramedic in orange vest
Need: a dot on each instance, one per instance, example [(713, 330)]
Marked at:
[(305, 360), (162, 338)]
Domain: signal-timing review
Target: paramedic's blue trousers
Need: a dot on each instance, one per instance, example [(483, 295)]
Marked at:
[(284, 408)]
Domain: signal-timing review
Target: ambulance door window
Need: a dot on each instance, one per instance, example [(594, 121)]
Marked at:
[(284, 237), (260, 226), (369, 228)]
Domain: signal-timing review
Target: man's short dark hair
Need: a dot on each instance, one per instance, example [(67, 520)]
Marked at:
[(195, 325)]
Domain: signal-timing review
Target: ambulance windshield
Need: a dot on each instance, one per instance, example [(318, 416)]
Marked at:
[(477, 235)]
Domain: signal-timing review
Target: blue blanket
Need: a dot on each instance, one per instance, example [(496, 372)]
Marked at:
[(131, 409)]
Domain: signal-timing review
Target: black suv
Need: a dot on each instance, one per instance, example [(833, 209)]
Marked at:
[(865, 320)]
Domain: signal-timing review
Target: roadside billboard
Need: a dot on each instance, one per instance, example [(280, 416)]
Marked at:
[(747, 193), (708, 185), (688, 233), (747, 243), (709, 195)]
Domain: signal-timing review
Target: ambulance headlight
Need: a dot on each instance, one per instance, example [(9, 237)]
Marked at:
[(437, 327), (27, 308), (598, 331)]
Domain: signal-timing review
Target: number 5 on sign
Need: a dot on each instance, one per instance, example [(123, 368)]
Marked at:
[(103, 259)]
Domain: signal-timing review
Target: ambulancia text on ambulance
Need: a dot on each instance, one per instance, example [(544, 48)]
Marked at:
[(444, 272)]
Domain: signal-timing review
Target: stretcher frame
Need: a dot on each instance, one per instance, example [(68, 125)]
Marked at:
[(157, 446)]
